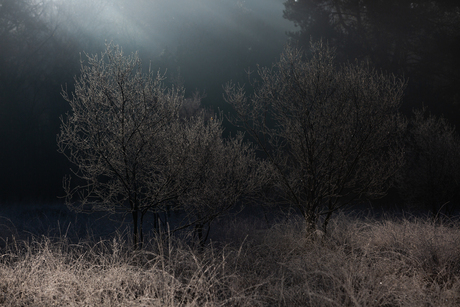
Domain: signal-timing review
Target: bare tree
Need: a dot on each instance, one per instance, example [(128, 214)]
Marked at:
[(220, 172), (226, 172), (330, 133), (431, 175), (140, 147), (119, 135)]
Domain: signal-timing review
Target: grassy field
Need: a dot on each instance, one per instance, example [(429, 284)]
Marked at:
[(361, 262)]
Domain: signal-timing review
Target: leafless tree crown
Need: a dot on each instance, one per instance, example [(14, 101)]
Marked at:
[(116, 135), (138, 146), (331, 133)]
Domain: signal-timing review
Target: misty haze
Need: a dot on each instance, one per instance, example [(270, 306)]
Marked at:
[(229, 153)]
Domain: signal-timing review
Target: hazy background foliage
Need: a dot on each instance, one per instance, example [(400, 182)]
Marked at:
[(202, 44)]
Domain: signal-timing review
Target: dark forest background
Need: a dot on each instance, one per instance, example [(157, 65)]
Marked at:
[(201, 44)]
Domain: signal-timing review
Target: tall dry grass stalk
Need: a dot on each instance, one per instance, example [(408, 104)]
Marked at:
[(361, 262)]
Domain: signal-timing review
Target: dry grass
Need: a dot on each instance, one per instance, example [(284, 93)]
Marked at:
[(361, 262)]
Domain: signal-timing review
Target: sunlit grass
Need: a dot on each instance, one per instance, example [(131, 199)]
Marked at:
[(360, 262)]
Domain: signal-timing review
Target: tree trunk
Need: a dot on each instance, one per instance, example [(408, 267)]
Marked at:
[(141, 227), (326, 220), (310, 221), (135, 230), (199, 233)]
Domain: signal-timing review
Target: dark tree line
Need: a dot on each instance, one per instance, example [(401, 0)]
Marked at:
[(417, 39), (39, 53), (29, 79), (430, 178)]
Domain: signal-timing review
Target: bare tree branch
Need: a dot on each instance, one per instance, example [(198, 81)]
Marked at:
[(331, 134)]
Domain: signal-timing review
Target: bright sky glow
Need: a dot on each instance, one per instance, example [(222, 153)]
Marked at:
[(162, 22)]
